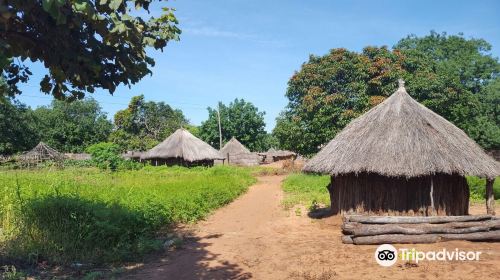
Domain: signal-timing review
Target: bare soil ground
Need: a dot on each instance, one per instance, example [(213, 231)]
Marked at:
[(253, 237)]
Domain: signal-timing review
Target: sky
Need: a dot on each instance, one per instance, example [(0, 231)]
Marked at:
[(250, 49)]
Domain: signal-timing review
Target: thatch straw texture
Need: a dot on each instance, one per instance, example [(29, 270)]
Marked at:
[(132, 155), (41, 152), (237, 154), (402, 138), (273, 155), (183, 145), (78, 156)]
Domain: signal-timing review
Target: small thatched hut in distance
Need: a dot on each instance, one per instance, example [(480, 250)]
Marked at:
[(402, 158), (40, 153), (273, 155), (182, 148), (133, 155), (237, 154)]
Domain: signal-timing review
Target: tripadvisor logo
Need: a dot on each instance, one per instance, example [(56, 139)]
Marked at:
[(387, 255)]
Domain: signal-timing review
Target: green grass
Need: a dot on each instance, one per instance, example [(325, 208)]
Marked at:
[(309, 190), (305, 189), (87, 215)]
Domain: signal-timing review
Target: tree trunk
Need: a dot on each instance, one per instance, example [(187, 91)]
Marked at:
[(490, 197), (414, 219), (426, 238), (358, 229)]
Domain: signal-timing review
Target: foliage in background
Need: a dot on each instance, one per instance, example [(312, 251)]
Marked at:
[(105, 155), (84, 44), (72, 126), (478, 188), (240, 119), (17, 127), (308, 189), (143, 124), (453, 76), (58, 215)]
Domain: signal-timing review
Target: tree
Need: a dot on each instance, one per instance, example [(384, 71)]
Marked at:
[(17, 127), (143, 124), (71, 127), (84, 44), (240, 119), (448, 74)]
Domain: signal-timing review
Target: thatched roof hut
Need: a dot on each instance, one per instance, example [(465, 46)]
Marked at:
[(41, 152), (273, 155), (182, 148), (78, 156), (133, 155), (236, 153), (400, 157)]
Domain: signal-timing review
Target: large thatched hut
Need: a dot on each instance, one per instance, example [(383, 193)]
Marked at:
[(182, 148), (235, 153), (402, 158), (40, 153)]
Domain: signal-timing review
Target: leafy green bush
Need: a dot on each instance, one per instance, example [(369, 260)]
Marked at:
[(477, 188), (105, 155), (86, 215)]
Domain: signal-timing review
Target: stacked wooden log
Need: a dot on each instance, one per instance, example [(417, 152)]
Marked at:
[(363, 230)]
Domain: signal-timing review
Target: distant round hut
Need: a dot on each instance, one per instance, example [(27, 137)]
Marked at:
[(40, 153), (182, 148), (401, 158), (237, 154), (133, 155), (273, 155)]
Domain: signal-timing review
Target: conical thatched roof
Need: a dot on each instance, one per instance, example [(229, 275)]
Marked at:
[(401, 137), (234, 147), (41, 152), (182, 144), (236, 153)]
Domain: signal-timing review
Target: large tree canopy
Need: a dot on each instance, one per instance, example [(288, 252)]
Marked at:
[(17, 127), (71, 127), (143, 124), (84, 44), (448, 74), (240, 119)]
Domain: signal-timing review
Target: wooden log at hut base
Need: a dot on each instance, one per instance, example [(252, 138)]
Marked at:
[(414, 219), (358, 229), (425, 238)]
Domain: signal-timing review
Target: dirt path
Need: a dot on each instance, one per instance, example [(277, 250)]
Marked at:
[(254, 237)]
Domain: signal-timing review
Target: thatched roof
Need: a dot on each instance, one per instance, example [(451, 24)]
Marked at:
[(278, 153), (41, 152), (78, 156), (234, 147), (401, 137), (239, 154), (182, 144), (132, 155)]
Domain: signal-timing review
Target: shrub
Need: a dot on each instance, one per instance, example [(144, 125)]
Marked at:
[(105, 155)]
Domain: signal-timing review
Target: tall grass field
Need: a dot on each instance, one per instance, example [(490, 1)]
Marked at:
[(90, 216), (309, 190)]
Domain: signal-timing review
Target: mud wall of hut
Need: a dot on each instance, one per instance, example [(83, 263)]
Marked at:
[(243, 159), (376, 194)]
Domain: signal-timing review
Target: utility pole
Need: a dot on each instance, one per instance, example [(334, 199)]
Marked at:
[(220, 129)]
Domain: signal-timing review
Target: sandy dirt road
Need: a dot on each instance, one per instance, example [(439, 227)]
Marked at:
[(255, 238)]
